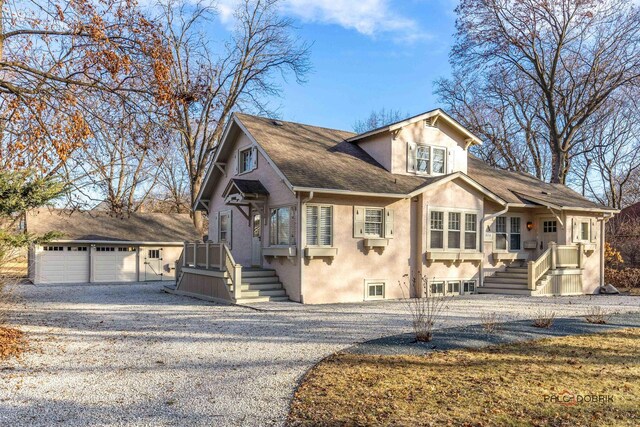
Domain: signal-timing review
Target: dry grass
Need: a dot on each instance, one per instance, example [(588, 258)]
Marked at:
[(502, 385)]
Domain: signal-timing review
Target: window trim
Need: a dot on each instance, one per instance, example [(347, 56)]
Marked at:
[(431, 150), (382, 224), (465, 282), (374, 282), (254, 163), (445, 230), (293, 234), (226, 240), (306, 219), (507, 233)]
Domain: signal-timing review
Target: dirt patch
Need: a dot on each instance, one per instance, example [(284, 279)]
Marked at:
[(12, 342), (588, 380)]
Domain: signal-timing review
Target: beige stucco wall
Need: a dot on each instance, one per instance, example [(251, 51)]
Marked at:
[(241, 235), (591, 258), (342, 279)]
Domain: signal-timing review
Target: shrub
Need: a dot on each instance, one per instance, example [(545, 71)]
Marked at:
[(544, 319), (424, 311), (490, 322), (623, 278), (597, 315)]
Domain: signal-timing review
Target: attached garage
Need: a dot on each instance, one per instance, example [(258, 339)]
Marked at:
[(102, 248)]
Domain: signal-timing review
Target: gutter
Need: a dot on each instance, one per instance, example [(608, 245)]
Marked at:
[(311, 191), (482, 222), (113, 242)]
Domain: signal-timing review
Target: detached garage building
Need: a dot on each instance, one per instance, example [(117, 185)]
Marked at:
[(101, 247)]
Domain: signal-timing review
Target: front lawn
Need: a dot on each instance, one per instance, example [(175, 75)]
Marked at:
[(545, 382)]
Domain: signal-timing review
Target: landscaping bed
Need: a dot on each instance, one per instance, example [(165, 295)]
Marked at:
[(12, 342), (588, 379)]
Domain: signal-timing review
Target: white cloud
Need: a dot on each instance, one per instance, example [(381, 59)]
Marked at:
[(368, 17)]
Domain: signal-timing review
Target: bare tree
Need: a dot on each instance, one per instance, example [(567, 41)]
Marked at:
[(378, 119), (52, 53), (572, 56), (210, 81)]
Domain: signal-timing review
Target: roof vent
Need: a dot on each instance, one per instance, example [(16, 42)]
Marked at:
[(277, 122), (545, 193)]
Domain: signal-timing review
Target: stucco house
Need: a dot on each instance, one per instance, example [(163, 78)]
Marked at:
[(319, 215)]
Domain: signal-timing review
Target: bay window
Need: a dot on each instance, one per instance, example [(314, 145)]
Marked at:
[(282, 226)]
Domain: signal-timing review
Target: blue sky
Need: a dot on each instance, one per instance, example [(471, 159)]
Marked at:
[(366, 55)]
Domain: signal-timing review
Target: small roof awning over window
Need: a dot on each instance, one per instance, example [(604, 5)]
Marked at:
[(244, 192)]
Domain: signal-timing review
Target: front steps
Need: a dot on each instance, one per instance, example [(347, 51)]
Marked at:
[(512, 281), (260, 285)]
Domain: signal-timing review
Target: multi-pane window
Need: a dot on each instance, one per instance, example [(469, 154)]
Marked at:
[(105, 249), (460, 227), (437, 230), (439, 155), (454, 230), (515, 236), (470, 231), (375, 290), (77, 248), (453, 287), (437, 288), (281, 226), (319, 225), (224, 226), (373, 222), (128, 249), (469, 286), (153, 254), (247, 160), (423, 163), (501, 233), (430, 160), (549, 226), (53, 248), (584, 231)]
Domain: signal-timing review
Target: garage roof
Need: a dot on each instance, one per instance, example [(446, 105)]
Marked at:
[(99, 226)]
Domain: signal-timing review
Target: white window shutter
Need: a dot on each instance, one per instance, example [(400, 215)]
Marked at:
[(593, 233), (411, 157), (450, 155), (229, 229), (237, 162), (358, 221), (254, 158), (574, 236), (213, 229), (388, 223)]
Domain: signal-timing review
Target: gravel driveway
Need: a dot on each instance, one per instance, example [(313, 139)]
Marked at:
[(132, 355)]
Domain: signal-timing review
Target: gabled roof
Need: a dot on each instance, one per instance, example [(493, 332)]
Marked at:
[(521, 188), (92, 226), (312, 157), (246, 186), (433, 114)]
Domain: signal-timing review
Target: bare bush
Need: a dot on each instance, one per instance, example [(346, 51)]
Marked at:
[(425, 311), (490, 322), (597, 315), (544, 319)]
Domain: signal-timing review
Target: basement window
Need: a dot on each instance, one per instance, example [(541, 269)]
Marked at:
[(375, 290)]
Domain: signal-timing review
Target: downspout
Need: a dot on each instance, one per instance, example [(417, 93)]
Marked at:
[(482, 222), (301, 204)]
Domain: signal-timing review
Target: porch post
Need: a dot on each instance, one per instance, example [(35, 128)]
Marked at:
[(206, 251), (237, 281), (580, 254), (195, 257), (223, 266), (554, 255), (184, 254), (530, 279)]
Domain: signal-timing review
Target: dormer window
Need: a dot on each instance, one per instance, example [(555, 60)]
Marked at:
[(426, 159), (247, 160)]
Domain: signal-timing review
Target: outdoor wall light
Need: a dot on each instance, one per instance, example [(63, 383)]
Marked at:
[(529, 225)]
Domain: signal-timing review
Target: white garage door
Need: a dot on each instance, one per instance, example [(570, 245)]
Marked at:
[(62, 264), (115, 264)]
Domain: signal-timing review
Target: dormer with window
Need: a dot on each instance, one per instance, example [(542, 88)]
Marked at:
[(247, 160), (430, 144)]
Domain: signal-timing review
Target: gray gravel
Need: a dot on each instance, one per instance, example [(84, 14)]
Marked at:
[(131, 355)]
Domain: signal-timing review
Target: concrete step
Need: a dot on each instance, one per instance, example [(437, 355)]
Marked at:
[(263, 293), (516, 275), (504, 286), (517, 269), (261, 286), (256, 280), (505, 280), (503, 291), (258, 272)]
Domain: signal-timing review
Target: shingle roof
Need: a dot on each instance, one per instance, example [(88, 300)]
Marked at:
[(102, 226), (515, 187), (316, 157)]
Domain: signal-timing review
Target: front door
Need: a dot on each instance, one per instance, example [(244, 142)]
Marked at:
[(256, 239), (548, 233)]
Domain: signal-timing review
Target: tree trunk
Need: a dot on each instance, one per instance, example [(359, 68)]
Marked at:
[(558, 166)]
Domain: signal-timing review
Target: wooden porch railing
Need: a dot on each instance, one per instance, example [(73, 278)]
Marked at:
[(556, 256), (208, 255)]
